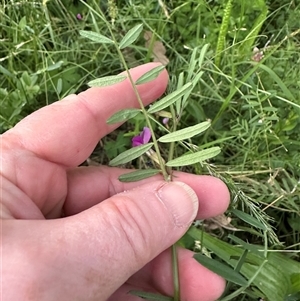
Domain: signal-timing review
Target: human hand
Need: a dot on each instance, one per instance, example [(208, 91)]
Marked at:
[(115, 236)]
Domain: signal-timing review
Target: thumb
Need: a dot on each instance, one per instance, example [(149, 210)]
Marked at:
[(119, 236)]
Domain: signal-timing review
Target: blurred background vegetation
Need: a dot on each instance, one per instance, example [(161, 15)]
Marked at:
[(250, 90)]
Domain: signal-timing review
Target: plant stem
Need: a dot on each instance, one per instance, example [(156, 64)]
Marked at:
[(175, 273), (167, 174), (172, 144), (161, 163)]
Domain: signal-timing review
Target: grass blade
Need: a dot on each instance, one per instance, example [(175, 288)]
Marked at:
[(195, 157), (245, 245), (249, 219), (130, 154), (273, 280), (107, 81), (280, 83), (185, 133), (293, 297), (221, 269), (295, 279), (95, 37), (131, 36)]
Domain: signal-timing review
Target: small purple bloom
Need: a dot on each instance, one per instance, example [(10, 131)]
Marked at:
[(165, 120), (79, 16), (143, 138)]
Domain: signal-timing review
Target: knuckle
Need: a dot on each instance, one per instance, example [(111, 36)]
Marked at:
[(134, 226)]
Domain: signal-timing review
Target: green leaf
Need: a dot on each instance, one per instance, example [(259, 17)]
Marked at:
[(122, 115), (131, 36), (248, 219), (274, 278), (55, 66), (295, 280), (150, 75), (192, 64), (221, 269), (202, 55), (138, 175), (245, 245), (26, 78), (280, 83), (22, 23), (195, 157), (178, 104), (59, 86), (95, 37), (293, 297), (150, 296), (130, 154), (171, 98), (107, 80), (6, 72), (185, 133)]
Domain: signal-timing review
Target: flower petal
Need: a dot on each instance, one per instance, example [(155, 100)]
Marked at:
[(146, 135), (165, 120), (136, 141), (143, 138)]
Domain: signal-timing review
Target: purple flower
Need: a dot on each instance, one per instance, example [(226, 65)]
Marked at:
[(79, 16), (143, 138), (165, 120)]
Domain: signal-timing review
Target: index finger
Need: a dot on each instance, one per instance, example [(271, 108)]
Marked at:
[(67, 131)]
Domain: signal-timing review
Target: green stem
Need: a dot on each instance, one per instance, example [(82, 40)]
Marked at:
[(166, 175), (161, 162), (174, 248), (175, 273), (172, 144)]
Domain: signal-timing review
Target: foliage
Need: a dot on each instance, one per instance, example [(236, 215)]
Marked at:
[(251, 99)]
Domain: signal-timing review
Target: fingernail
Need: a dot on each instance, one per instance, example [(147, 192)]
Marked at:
[(181, 201)]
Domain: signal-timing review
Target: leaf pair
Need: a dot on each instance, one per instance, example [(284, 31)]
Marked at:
[(138, 151), (127, 40), (126, 114), (184, 160), (114, 79)]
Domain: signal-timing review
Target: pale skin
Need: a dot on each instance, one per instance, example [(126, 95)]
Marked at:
[(113, 237)]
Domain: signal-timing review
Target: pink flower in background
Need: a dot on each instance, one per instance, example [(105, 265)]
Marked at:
[(143, 138), (79, 16), (165, 120)]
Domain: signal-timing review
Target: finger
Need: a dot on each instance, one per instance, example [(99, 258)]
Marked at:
[(124, 293), (196, 282), (67, 131), (90, 255), (88, 186)]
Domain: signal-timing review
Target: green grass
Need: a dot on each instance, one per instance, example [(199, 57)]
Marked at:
[(254, 106)]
